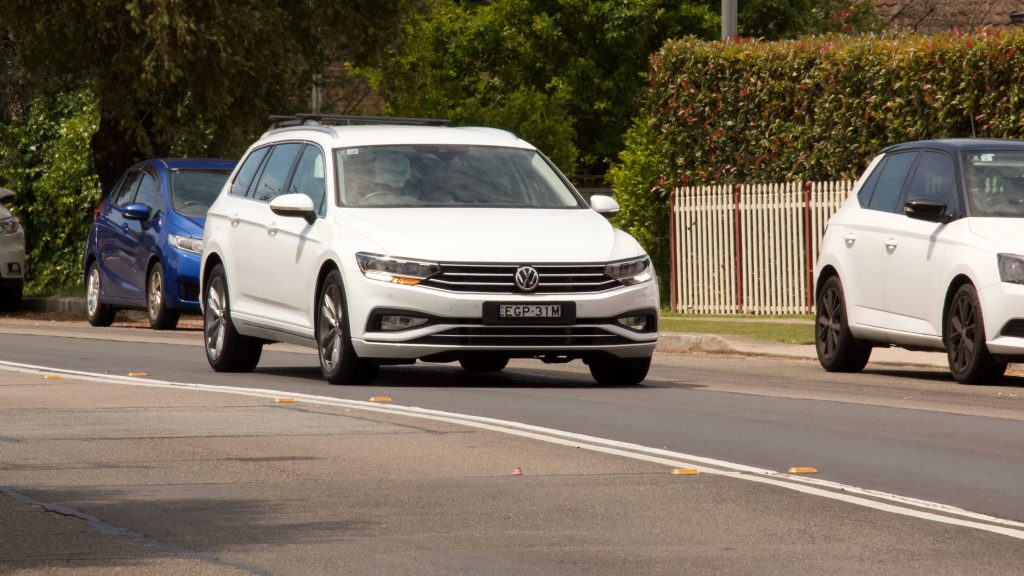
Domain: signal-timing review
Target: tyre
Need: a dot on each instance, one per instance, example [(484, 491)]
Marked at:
[(226, 349), (619, 371), (99, 314), (339, 362), (484, 363), (160, 316), (969, 358), (838, 350)]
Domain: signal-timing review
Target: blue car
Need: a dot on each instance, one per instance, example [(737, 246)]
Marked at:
[(146, 240)]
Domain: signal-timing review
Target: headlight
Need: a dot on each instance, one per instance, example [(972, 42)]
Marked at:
[(630, 272), (395, 270), (9, 225), (1011, 268), (186, 243)]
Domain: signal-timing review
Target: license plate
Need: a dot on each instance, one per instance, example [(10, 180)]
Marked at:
[(529, 311), (526, 313)]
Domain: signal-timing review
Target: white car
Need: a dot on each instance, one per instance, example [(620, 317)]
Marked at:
[(928, 253), (387, 241), (12, 256)]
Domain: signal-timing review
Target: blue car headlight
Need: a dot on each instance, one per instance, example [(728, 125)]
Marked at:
[(186, 243)]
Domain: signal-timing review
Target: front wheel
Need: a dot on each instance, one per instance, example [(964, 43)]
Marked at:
[(99, 314), (339, 362), (620, 371), (838, 350), (969, 358), (226, 349), (160, 316)]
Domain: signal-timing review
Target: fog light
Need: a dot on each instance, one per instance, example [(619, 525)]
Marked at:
[(14, 268), (634, 322), (392, 323)]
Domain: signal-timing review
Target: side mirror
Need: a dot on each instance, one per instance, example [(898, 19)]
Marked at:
[(928, 210), (6, 193), (137, 211), (294, 205), (604, 205)]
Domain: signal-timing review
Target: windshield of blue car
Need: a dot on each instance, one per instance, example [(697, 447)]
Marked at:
[(192, 191), (995, 183), (449, 176)]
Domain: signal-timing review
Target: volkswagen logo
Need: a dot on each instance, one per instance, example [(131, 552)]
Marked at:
[(527, 278)]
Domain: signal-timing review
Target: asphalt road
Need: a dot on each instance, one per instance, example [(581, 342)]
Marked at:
[(888, 434)]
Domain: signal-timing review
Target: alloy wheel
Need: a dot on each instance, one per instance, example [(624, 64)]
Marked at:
[(215, 313), (331, 322), (962, 333)]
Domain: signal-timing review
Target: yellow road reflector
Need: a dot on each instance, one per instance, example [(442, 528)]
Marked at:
[(53, 377), (380, 399), (284, 400), (803, 470), (686, 471), (138, 374)]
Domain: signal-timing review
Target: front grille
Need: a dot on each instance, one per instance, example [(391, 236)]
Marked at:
[(500, 278), (1014, 328), (524, 336)]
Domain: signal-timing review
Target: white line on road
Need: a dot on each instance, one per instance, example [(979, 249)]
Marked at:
[(876, 500)]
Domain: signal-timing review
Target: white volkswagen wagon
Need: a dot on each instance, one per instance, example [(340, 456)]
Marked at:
[(390, 241)]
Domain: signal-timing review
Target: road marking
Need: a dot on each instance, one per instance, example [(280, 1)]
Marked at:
[(882, 501)]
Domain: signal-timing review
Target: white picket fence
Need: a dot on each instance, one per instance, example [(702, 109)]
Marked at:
[(749, 248)]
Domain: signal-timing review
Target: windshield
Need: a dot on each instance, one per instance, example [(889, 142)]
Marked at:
[(192, 191), (449, 176), (995, 183)]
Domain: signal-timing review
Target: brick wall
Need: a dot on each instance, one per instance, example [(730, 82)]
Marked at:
[(928, 16)]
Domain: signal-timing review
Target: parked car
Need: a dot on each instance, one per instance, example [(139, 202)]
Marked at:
[(391, 241), (928, 253), (144, 247), (12, 255)]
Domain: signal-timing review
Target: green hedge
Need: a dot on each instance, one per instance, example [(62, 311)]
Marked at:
[(812, 109), (46, 159)]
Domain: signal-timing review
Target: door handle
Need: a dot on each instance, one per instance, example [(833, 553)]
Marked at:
[(891, 243), (849, 238), (272, 230), (124, 227), (234, 220)]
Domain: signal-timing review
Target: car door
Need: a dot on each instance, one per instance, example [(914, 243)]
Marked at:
[(112, 241), (295, 245), (258, 268), (863, 236), (915, 251), (140, 237)]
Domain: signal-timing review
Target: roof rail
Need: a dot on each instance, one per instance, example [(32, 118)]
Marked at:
[(281, 121)]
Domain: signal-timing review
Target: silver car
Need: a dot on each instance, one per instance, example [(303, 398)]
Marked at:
[(12, 256)]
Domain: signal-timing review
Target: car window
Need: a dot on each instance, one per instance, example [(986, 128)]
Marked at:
[(868, 188), (934, 180), (192, 191), (890, 182), (309, 178), (995, 182), (149, 193), (449, 175), (271, 182), (126, 192), (247, 172)]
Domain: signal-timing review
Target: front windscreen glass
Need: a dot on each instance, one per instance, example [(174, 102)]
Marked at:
[(448, 176), (995, 183), (192, 191)]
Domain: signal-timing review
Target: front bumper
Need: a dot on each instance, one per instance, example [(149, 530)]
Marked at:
[(1002, 306), (456, 323)]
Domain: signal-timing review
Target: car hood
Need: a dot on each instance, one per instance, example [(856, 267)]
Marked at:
[(4, 212), (1007, 233), (489, 234)]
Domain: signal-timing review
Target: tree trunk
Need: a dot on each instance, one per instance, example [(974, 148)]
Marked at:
[(113, 151)]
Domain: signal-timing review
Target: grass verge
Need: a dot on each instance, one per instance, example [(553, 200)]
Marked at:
[(788, 330)]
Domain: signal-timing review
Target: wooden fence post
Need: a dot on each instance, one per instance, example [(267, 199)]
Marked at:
[(738, 248), (673, 268), (808, 249)]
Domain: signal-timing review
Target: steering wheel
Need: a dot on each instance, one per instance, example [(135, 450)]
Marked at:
[(394, 197)]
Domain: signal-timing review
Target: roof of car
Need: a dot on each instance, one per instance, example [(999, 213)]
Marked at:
[(391, 134), (193, 163), (959, 144)]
